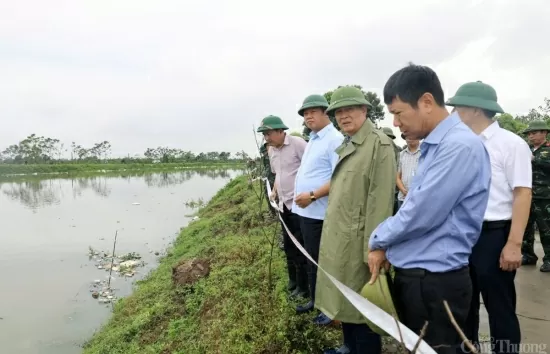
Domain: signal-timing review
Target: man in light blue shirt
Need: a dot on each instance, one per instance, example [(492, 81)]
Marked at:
[(313, 183), (430, 239)]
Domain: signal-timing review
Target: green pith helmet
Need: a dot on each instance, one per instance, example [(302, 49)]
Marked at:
[(346, 96), (379, 294), (476, 95), (313, 101), (536, 125), (271, 123), (389, 132)]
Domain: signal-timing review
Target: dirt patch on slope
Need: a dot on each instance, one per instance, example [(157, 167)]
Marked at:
[(189, 271)]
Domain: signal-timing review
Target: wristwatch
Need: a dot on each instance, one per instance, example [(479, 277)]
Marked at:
[(312, 196)]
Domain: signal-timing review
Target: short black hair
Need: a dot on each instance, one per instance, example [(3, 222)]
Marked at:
[(411, 82)]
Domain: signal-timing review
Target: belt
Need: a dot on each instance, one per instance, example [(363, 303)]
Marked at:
[(420, 273), (498, 224)]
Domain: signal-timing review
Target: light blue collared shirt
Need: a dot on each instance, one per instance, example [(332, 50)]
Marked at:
[(316, 169), (441, 217)]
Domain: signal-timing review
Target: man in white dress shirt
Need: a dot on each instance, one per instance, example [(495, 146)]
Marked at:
[(497, 254)]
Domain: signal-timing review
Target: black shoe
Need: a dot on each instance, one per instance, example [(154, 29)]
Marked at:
[(342, 350), (305, 308), (545, 267), (322, 320), (526, 260)]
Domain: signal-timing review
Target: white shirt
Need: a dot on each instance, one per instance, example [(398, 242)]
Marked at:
[(510, 168)]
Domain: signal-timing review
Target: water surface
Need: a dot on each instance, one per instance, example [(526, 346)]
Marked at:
[(48, 226)]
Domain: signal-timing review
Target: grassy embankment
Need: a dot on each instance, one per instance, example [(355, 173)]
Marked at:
[(15, 169), (231, 310)]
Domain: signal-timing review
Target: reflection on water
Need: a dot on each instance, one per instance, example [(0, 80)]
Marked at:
[(48, 226), (36, 193)]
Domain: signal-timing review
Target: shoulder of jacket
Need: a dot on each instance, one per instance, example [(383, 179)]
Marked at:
[(384, 139)]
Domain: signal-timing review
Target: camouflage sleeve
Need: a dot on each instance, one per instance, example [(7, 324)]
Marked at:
[(542, 159)]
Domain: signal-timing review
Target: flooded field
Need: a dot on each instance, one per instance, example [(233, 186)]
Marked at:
[(49, 227)]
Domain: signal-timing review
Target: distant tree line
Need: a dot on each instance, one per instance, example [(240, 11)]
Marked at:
[(36, 149), (518, 123)]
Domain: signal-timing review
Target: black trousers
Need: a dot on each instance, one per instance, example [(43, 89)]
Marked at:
[(360, 339), (419, 296), (311, 231), (296, 261), (497, 289)]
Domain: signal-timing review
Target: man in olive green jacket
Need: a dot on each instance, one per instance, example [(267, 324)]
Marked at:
[(361, 196)]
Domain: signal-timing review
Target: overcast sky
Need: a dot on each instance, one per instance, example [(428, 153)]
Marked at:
[(197, 75)]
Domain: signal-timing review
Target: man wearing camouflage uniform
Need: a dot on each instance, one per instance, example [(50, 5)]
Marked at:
[(540, 206), (389, 132), (268, 173)]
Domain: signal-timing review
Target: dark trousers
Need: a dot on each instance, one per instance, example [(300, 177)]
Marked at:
[(539, 215), (296, 261), (311, 231), (497, 289), (419, 299), (399, 203), (360, 339), (395, 204)]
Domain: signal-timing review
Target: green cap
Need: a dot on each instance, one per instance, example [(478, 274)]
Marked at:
[(477, 95), (271, 123), (535, 126), (379, 294), (389, 132), (313, 101), (346, 96)]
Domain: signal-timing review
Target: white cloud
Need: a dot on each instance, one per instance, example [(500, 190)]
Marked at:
[(198, 75)]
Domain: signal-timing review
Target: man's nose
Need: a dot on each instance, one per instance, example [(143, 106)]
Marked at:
[(396, 122)]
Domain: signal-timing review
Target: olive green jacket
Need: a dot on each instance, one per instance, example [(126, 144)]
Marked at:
[(397, 151), (361, 196)]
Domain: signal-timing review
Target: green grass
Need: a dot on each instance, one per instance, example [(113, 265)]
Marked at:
[(233, 309), (15, 169)]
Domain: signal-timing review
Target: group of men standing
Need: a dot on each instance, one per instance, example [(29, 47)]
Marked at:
[(463, 203)]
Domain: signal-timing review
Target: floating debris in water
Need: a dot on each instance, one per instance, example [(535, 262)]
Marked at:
[(102, 292), (135, 203), (121, 265)]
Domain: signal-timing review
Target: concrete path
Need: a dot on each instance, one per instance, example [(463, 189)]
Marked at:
[(533, 307)]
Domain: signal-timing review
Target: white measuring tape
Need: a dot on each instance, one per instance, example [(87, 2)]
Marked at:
[(378, 316)]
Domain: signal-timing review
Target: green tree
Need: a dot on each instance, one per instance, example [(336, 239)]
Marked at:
[(34, 149), (542, 112), (375, 114), (508, 122)]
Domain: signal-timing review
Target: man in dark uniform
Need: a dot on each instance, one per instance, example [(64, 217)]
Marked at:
[(389, 132), (268, 173), (540, 206)]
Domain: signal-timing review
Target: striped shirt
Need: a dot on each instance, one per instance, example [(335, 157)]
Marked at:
[(285, 162), (408, 161)]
